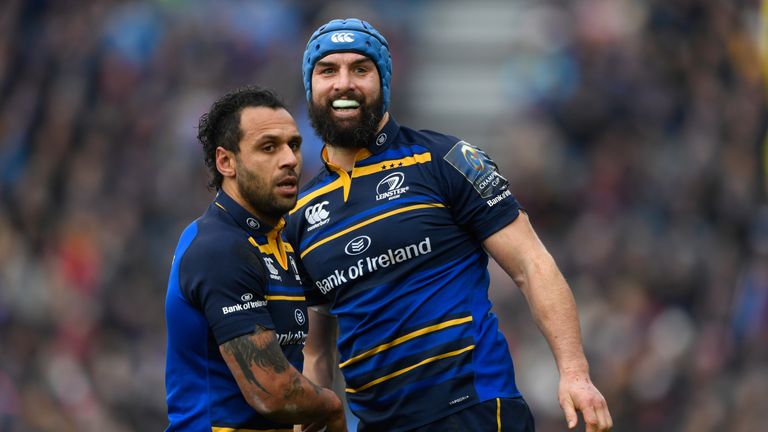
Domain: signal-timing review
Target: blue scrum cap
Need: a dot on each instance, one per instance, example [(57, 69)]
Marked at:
[(348, 35)]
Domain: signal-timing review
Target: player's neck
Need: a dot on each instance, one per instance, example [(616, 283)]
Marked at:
[(344, 157), (230, 188)]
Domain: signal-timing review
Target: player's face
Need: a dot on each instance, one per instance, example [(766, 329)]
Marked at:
[(269, 161), (346, 106)]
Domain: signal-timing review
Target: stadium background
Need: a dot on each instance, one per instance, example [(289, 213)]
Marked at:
[(631, 130)]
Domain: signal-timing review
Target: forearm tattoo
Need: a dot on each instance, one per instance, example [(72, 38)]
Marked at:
[(264, 354), (294, 390)]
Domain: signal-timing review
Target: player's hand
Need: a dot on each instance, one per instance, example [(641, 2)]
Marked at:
[(577, 393), (335, 424), (338, 424)]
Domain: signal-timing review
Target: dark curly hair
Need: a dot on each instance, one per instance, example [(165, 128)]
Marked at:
[(221, 125)]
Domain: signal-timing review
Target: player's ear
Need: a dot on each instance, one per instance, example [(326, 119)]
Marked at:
[(225, 162)]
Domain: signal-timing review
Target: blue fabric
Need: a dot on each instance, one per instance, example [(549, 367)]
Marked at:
[(219, 289), (498, 414), (401, 264)]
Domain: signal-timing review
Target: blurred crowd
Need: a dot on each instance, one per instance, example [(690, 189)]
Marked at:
[(641, 161)]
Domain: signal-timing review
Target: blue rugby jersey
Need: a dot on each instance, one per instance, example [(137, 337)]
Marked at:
[(394, 248), (230, 273)]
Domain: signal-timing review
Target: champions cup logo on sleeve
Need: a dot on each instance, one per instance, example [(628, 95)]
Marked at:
[(472, 157), (342, 37), (478, 169)]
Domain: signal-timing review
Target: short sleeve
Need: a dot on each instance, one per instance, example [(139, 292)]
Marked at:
[(229, 287), (478, 195)]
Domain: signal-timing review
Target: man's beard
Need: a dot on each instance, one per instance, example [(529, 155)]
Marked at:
[(359, 134), (256, 192)]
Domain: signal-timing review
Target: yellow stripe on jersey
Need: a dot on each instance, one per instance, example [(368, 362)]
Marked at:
[(498, 415), (405, 338), (275, 247), (314, 194), (345, 181), (367, 222), (266, 249), (392, 164), (409, 368), (283, 297)]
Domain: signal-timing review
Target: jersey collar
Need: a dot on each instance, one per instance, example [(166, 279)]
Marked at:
[(383, 140), (385, 137), (250, 223)]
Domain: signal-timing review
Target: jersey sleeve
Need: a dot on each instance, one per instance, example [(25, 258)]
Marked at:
[(478, 195), (229, 287)]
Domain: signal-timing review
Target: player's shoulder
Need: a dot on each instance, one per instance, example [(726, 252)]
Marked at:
[(214, 245), (451, 150), (437, 143)]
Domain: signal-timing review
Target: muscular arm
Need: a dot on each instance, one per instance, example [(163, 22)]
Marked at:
[(521, 254), (273, 387), (320, 350)]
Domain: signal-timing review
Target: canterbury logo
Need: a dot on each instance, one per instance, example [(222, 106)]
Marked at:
[(270, 266), (316, 213), (342, 37)]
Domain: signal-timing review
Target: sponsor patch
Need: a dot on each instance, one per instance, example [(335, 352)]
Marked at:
[(369, 264), (357, 245), (291, 338), (477, 168), (247, 304)]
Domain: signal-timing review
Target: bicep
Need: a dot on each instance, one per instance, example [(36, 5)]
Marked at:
[(517, 248)]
